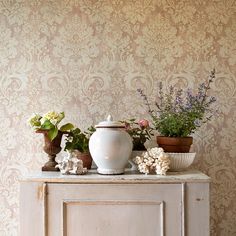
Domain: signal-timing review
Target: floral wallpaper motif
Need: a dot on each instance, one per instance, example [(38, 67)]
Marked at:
[(88, 57)]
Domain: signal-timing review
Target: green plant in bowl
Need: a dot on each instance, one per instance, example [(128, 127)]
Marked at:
[(77, 143)]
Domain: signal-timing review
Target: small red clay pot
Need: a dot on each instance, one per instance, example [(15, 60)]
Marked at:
[(85, 157), (175, 144)]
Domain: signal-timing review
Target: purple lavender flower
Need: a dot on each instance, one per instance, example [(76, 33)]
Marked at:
[(197, 123), (212, 99), (189, 94), (178, 98), (188, 106), (171, 90), (179, 116)]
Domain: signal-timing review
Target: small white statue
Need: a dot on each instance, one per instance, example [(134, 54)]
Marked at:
[(71, 165)]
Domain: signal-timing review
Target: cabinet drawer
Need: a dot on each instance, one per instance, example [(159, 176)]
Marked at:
[(114, 209)]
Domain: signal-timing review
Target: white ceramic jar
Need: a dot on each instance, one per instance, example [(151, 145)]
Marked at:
[(110, 147)]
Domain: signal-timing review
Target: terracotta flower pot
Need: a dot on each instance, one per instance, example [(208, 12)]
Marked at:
[(175, 144), (85, 157), (52, 148)]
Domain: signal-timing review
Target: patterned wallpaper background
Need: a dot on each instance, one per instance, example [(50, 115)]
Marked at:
[(88, 57)]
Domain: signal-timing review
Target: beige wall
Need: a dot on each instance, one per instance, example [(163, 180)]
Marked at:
[(88, 57)]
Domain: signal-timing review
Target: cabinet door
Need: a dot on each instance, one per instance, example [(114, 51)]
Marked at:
[(114, 209)]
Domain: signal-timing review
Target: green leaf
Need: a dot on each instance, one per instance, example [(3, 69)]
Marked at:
[(52, 133), (61, 117), (67, 127), (76, 131), (68, 146), (47, 125)]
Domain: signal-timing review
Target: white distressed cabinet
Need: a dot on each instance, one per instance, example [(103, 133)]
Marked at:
[(124, 205)]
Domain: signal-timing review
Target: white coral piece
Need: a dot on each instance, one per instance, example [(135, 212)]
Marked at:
[(162, 164), (153, 159)]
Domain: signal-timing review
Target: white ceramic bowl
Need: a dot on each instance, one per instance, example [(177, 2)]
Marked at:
[(181, 161)]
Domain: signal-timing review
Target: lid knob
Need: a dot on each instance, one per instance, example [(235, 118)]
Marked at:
[(109, 123), (109, 118)]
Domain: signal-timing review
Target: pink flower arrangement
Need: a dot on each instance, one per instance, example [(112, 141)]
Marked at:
[(143, 123), (140, 132)]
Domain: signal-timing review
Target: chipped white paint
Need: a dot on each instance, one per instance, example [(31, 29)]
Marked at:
[(128, 177), (131, 204)]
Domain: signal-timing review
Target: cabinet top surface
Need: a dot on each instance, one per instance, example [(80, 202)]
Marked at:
[(128, 177)]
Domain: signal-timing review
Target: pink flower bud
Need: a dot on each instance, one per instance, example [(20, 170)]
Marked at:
[(143, 123), (127, 126)]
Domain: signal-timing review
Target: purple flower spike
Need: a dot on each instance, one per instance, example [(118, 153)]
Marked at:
[(179, 113)]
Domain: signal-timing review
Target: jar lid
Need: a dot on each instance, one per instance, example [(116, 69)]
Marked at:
[(109, 123)]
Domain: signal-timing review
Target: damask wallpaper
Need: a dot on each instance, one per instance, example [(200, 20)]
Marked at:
[(88, 57)]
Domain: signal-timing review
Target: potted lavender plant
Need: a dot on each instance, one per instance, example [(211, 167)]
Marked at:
[(178, 114)]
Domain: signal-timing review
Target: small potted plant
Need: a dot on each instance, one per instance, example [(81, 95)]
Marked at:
[(77, 143), (140, 132), (48, 125), (178, 114)]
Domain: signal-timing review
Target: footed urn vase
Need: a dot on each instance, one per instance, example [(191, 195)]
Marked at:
[(52, 148)]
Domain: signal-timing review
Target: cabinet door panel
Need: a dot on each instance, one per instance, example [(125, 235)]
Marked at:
[(114, 209)]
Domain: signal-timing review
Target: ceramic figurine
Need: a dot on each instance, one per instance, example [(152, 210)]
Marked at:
[(71, 165)]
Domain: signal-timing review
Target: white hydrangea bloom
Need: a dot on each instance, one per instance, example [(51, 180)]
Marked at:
[(53, 121), (54, 117), (34, 121), (42, 120)]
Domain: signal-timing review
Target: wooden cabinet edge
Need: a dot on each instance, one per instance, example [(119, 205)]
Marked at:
[(33, 208)]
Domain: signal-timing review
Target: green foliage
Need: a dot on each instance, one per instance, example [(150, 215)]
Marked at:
[(52, 133), (179, 113), (78, 140), (47, 125), (66, 127), (176, 124), (50, 122)]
